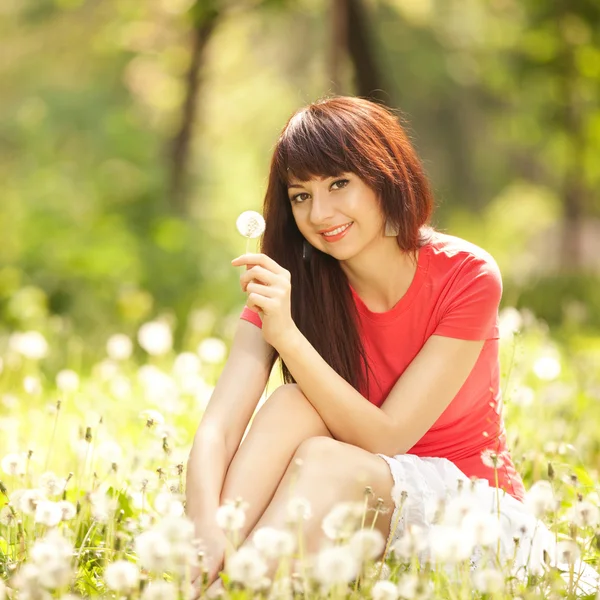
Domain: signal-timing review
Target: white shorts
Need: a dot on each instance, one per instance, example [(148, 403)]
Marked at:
[(431, 481)]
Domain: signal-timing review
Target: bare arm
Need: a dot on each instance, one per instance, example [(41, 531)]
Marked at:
[(227, 415)]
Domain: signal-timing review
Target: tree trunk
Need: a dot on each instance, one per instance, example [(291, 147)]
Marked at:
[(369, 80), (338, 43), (204, 22)]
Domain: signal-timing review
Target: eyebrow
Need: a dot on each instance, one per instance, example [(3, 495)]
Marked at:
[(293, 185)]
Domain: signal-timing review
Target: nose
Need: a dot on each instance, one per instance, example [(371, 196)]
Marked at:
[(321, 210)]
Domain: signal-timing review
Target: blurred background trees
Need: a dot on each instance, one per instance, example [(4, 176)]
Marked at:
[(133, 133)]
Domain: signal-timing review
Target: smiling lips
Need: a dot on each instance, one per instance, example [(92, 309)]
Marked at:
[(337, 233)]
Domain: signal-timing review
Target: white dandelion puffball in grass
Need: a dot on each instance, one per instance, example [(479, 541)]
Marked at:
[(488, 581), (31, 344), (230, 517), (122, 576), (584, 514), (67, 381), (48, 513), (449, 544), (212, 350), (343, 520), (153, 550), (155, 338), (160, 590), (385, 590), (367, 544), (250, 224), (299, 509), (547, 368), (14, 464), (336, 565), (274, 543), (119, 347), (540, 498), (247, 567)]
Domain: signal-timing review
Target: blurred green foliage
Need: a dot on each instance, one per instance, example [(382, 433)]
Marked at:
[(501, 99)]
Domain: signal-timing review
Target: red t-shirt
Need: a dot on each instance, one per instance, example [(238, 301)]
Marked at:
[(455, 293)]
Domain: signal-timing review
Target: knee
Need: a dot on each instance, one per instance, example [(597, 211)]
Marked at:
[(319, 450), (285, 399)]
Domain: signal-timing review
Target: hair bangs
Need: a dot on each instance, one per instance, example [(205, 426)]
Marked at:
[(311, 147)]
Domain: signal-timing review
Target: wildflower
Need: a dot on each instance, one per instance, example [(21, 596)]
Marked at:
[(14, 464), (413, 542), (67, 510), (449, 544), (166, 503), (102, 506), (343, 520), (584, 514), (176, 529), (48, 513), (335, 565), (119, 347), (250, 224), (247, 567), (491, 458), (484, 528), (52, 556), (230, 517), (31, 344), (458, 508), (7, 517), (153, 550), (540, 498), (122, 576), (212, 350), (408, 586), (29, 500), (274, 543), (385, 590), (547, 368), (299, 509), (51, 484), (152, 417), (155, 338), (109, 452), (160, 590), (567, 551), (488, 581), (67, 381), (367, 544)]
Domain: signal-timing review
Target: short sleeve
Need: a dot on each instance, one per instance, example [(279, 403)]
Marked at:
[(469, 310), (250, 315)]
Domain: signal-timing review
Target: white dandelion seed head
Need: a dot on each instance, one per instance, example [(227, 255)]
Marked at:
[(143, 480), (51, 484), (31, 344), (540, 498), (167, 503), (274, 543), (67, 381), (29, 500), (412, 543), (335, 565), (177, 529), (492, 459), (102, 506), (408, 586), (510, 322), (343, 520), (32, 385), (119, 347), (120, 387), (282, 589), (152, 417), (67, 509), (584, 514), (7, 518), (14, 464), (109, 451), (212, 350), (160, 590), (456, 509), (27, 580), (186, 363), (547, 368), (230, 517), (367, 544), (385, 590), (567, 552), (449, 544), (48, 513), (488, 581), (298, 509), (250, 224), (399, 490), (122, 576), (246, 566), (484, 529), (105, 370), (153, 550)]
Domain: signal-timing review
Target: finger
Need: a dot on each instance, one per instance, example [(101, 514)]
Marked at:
[(259, 274), (268, 291), (259, 259), (258, 302)]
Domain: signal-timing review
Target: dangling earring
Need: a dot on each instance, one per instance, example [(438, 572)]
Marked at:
[(306, 251), (390, 229)]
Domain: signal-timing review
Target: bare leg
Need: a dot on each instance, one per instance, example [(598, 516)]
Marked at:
[(285, 421)]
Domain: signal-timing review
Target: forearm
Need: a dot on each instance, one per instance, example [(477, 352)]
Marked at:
[(207, 465), (349, 416)]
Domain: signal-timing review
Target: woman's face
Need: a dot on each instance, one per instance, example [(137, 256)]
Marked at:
[(346, 201)]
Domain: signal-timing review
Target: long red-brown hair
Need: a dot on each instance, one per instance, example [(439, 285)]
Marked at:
[(325, 139)]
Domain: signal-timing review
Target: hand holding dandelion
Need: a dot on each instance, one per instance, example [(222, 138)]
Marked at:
[(251, 225)]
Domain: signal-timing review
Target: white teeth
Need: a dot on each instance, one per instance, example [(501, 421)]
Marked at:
[(338, 230)]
